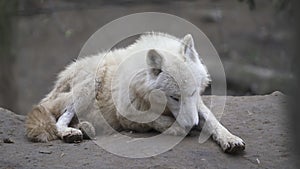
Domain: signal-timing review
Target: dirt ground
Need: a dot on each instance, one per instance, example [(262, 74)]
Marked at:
[(260, 120)]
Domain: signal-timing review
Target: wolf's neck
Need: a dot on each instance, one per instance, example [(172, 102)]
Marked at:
[(140, 90)]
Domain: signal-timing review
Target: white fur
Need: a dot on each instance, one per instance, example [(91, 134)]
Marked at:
[(168, 64), (63, 122)]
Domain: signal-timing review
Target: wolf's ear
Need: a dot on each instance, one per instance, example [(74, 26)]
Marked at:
[(188, 47), (154, 61)]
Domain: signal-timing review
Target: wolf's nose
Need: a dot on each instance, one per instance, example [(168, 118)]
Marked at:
[(194, 126)]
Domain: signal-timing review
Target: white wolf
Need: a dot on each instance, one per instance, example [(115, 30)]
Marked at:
[(171, 65)]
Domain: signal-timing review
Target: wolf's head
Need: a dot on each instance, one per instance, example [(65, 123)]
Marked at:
[(182, 76)]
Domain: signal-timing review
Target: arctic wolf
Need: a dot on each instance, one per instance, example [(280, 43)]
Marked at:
[(100, 85)]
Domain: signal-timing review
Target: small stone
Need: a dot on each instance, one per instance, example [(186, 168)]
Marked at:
[(258, 161), (45, 152), (62, 154), (277, 93), (8, 140)]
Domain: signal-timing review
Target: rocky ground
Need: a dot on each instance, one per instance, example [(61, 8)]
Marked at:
[(260, 120)]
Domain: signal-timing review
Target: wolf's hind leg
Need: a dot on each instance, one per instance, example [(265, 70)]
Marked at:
[(68, 134), (40, 125)]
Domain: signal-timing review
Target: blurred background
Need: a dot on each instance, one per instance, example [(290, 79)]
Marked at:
[(38, 38)]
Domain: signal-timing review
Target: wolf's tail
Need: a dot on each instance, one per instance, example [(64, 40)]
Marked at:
[(40, 125)]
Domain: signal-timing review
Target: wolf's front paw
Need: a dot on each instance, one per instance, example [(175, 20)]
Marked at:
[(231, 144), (72, 135), (87, 130)]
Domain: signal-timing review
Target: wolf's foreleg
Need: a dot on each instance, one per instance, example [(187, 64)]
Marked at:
[(228, 142), (167, 125)]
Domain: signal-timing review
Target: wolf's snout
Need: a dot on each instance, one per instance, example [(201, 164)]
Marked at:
[(188, 121)]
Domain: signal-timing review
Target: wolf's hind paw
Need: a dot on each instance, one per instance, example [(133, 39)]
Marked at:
[(72, 136)]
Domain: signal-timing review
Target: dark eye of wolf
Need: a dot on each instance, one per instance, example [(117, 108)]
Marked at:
[(174, 98)]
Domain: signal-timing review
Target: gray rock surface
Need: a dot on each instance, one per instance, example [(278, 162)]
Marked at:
[(260, 120)]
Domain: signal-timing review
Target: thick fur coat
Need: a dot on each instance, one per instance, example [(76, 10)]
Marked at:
[(91, 95)]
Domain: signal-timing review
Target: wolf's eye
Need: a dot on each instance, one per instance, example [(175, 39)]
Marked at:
[(174, 98)]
